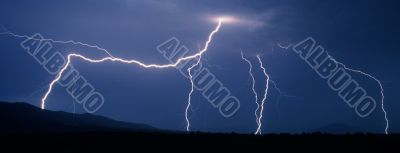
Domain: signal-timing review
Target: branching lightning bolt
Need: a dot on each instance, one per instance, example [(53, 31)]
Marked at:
[(110, 57), (199, 56), (58, 41), (189, 103), (114, 59), (364, 74), (265, 96), (253, 87), (260, 106)]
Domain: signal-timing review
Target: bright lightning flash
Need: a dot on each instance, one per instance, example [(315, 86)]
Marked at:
[(260, 106), (114, 59), (253, 87), (265, 96), (227, 19), (189, 103)]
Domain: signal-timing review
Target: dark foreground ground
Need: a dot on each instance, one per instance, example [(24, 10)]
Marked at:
[(26, 128), (136, 142)]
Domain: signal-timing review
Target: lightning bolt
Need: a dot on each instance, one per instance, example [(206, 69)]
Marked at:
[(377, 81), (364, 74), (260, 106), (189, 103), (281, 94), (265, 95), (113, 59), (253, 88), (57, 41)]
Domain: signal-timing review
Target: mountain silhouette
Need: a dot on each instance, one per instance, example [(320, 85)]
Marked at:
[(22, 117)]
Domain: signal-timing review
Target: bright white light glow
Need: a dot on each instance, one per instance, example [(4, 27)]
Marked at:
[(114, 59)]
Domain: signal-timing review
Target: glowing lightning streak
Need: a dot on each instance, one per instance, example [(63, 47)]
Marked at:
[(190, 93), (111, 58), (283, 46), (380, 86), (198, 55), (281, 94), (220, 20), (253, 88), (362, 73), (189, 103), (265, 96), (260, 107), (58, 41)]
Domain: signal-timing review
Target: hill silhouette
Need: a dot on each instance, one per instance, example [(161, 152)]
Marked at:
[(22, 117)]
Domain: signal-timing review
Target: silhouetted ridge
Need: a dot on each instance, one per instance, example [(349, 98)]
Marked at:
[(23, 117)]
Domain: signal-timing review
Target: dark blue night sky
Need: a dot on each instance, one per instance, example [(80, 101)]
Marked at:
[(361, 34)]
